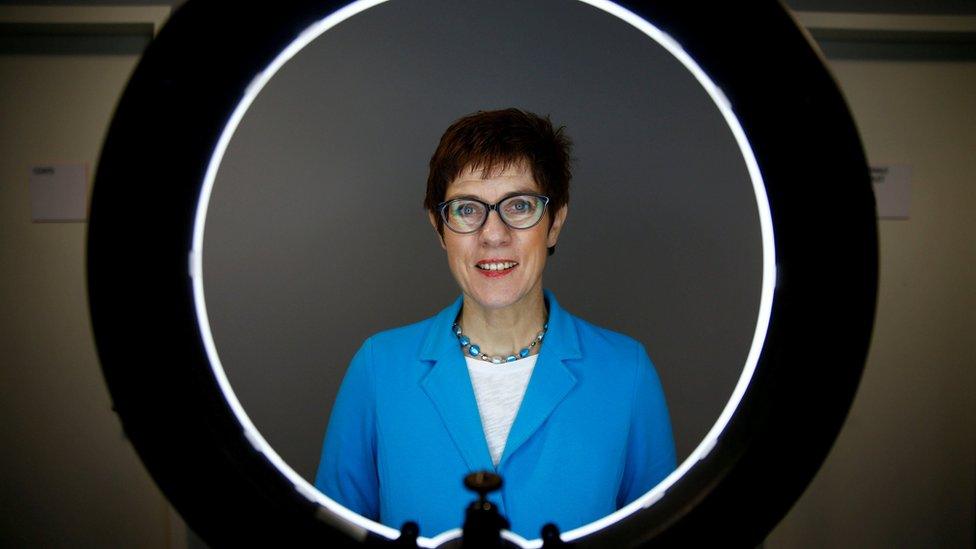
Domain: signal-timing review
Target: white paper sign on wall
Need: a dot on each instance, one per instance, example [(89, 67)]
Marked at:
[(59, 192), (892, 190)]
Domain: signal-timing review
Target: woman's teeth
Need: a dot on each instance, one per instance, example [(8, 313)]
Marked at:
[(497, 266)]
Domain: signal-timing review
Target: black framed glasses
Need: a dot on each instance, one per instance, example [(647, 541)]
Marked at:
[(518, 211)]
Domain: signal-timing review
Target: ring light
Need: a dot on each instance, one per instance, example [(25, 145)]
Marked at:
[(803, 156)]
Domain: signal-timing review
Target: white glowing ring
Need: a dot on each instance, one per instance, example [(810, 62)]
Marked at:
[(359, 525)]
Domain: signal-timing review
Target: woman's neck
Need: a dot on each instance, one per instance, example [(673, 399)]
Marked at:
[(502, 331)]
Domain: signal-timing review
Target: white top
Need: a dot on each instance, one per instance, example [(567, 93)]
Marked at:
[(499, 389)]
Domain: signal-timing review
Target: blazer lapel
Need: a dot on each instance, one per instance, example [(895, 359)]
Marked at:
[(448, 386), (551, 379)]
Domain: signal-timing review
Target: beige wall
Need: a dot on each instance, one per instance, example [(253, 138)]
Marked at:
[(903, 471), (69, 477)]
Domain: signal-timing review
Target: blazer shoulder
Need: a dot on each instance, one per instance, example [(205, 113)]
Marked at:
[(409, 336), (594, 338)]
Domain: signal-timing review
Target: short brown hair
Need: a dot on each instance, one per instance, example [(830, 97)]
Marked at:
[(495, 140)]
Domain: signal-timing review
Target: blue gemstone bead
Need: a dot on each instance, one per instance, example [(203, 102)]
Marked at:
[(474, 350), (464, 340), (524, 353), (511, 358)]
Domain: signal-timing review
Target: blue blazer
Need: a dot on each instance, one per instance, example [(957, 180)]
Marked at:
[(592, 433)]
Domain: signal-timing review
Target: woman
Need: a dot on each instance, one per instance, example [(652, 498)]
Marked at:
[(572, 416)]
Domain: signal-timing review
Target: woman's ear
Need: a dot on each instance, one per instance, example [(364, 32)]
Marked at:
[(557, 225), (433, 223)]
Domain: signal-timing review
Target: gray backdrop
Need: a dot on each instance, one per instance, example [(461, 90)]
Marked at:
[(316, 237)]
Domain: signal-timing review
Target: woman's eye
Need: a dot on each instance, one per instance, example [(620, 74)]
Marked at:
[(465, 209), (519, 206)]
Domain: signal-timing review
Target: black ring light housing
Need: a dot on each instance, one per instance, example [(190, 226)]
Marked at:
[(148, 183)]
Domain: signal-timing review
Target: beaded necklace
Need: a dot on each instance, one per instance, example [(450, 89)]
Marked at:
[(474, 350)]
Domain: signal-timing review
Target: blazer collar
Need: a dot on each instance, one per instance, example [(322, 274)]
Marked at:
[(561, 339), (448, 385)]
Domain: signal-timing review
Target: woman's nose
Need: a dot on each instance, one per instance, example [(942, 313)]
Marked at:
[(495, 232)]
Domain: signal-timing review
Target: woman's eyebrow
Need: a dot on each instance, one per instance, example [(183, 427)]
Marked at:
[(465, 197)]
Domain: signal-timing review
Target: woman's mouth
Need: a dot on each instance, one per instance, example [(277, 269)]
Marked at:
[(495, 267)]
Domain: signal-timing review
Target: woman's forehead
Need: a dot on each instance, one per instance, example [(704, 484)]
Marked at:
[(478, 181)]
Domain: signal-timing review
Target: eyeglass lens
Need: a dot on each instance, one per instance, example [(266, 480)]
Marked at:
[(466, 215)]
